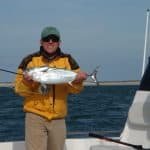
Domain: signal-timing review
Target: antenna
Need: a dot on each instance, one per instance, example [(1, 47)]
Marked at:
[(145, 44)]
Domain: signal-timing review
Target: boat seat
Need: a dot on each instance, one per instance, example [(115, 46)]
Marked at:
[(137, 126), (139, 113)]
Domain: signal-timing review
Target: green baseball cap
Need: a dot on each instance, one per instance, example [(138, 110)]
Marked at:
[(48, 31)]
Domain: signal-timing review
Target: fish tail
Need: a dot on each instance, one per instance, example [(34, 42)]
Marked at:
[(93, 75)]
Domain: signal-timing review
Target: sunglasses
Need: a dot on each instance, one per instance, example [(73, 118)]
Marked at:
[(52, 38)]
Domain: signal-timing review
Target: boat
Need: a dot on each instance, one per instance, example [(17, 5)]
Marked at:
[(136, 132), (74, 144)]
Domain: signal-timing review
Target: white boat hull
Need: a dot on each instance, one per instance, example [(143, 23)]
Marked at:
[(73, 144)]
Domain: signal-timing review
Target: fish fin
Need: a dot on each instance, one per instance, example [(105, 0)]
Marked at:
[(46, 69), (43, 89), (93, 75), (70, 83), (74, 87)]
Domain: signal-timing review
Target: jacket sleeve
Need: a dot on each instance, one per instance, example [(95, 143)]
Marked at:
[(74, 87), (24, 88)]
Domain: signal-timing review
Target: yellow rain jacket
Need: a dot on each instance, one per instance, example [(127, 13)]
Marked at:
[(53, 105)]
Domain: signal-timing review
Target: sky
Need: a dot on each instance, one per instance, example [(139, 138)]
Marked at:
[(105, 33)]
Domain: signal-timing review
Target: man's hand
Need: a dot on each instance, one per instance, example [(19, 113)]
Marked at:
[(81, 76), (27, 78)]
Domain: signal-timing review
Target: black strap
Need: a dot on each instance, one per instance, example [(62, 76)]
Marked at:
[(53, 87)]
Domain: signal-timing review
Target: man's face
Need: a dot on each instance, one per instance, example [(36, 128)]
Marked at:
[(50, 43)]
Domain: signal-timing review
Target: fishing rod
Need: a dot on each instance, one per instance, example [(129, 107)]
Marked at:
[(10, 71), (138, 147)]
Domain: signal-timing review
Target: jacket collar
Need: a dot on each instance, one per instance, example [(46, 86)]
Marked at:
[(50, 56)]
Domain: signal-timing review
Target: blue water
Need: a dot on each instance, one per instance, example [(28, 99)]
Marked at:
[(100, 109)]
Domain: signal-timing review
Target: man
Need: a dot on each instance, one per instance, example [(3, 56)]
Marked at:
[(45, 127)]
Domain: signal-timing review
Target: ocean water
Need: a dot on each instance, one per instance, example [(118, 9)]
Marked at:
[(98, 109)]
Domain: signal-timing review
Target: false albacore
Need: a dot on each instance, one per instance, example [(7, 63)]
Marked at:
[(47, 75)]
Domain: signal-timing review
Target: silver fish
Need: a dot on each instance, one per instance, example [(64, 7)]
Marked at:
[(48, 75)]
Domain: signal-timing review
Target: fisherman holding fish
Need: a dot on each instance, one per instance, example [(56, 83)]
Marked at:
[(45, 85)]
